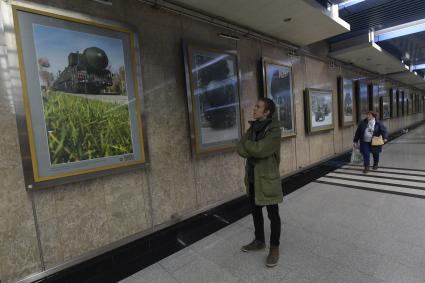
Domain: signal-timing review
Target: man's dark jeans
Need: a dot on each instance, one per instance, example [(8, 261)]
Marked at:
[(257, 215)]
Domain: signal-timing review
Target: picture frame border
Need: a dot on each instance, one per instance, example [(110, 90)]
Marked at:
[(392, 106), (267, 60), (32, 178), (381, 107), (358, 99), (187, 47), (307, 98), (340, 87)]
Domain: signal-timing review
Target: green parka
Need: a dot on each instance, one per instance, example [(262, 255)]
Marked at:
[(266, 154)]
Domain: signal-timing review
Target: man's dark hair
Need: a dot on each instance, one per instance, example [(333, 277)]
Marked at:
[(268, 105)]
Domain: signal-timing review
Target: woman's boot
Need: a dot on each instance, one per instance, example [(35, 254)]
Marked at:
[(366, 169)]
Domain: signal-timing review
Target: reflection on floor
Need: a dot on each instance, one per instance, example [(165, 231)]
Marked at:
[(345, 227)]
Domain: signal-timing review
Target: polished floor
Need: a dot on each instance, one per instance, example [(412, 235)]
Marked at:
[(343, 227)]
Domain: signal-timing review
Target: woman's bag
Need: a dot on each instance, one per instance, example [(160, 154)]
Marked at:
[(376, 141), (356, 156)]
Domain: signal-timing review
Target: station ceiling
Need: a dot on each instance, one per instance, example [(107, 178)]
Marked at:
[(398, 29), (348, 31), (282, 19)]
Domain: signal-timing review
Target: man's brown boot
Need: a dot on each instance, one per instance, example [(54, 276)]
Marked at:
[(273, 256), (254, 246)]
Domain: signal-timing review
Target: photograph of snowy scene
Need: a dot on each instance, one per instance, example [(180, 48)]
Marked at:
[(347, 102), (319, 109)]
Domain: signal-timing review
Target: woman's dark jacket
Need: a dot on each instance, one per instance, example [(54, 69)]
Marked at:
[(379, 130)]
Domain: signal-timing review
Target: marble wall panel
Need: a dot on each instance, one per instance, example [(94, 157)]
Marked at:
[(319, 76), (18, 252), (18, 243), (233, 173), (209, 187), (301, 142), (50, 237), (346, 134), (287, 156)]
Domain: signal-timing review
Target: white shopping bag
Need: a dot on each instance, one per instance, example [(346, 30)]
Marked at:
[(356, 156)]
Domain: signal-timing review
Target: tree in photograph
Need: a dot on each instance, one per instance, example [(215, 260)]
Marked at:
[(45, 76)]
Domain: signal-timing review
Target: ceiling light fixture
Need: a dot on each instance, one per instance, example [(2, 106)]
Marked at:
[(228, 36), (104, 2), (400, 30), (349, 3), (418, 67)]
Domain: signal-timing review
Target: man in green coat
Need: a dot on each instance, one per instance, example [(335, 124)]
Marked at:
[(261, 147)]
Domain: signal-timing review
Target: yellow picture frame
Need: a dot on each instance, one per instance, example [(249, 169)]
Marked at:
[(90, 168)]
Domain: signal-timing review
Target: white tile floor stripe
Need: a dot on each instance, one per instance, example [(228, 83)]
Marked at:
[(382, 174), (373, 186), (412, 171), (380, 180)]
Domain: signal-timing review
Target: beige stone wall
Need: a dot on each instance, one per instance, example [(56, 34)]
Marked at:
[(78, 218)]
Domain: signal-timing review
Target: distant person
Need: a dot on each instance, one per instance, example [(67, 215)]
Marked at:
[(261, 147), (367, 129)]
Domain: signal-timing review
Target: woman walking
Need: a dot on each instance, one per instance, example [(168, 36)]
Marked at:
[(368, 130)]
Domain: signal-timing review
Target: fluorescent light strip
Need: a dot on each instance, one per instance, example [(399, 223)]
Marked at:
[(399, 32), (418, 67), (349, 3)]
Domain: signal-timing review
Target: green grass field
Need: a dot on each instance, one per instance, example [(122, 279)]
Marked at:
[(82, 129)]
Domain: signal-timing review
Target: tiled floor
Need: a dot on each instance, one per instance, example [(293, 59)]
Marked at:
[(331, 233)]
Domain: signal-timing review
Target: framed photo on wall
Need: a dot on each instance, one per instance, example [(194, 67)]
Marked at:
[(385, 112), (406, 103), (410, 104), (277, 81), (346, 101), (413, 98), (374, 97), (212, 84), (416, 103), (81, 94), (362, 100), (393, 102), (319, 111), (421, 109)]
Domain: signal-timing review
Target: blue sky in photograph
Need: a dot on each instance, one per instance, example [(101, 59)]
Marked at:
[(56, 44)]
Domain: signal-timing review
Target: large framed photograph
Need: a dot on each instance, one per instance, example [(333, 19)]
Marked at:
[(422, 104), (402, 103), (385, 107), (362, 100), (346, 101), (410, 104), (277, 81), (212, 83), (393, 102), (319, 110), (406, 103), (80, 91), (416, 103)]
